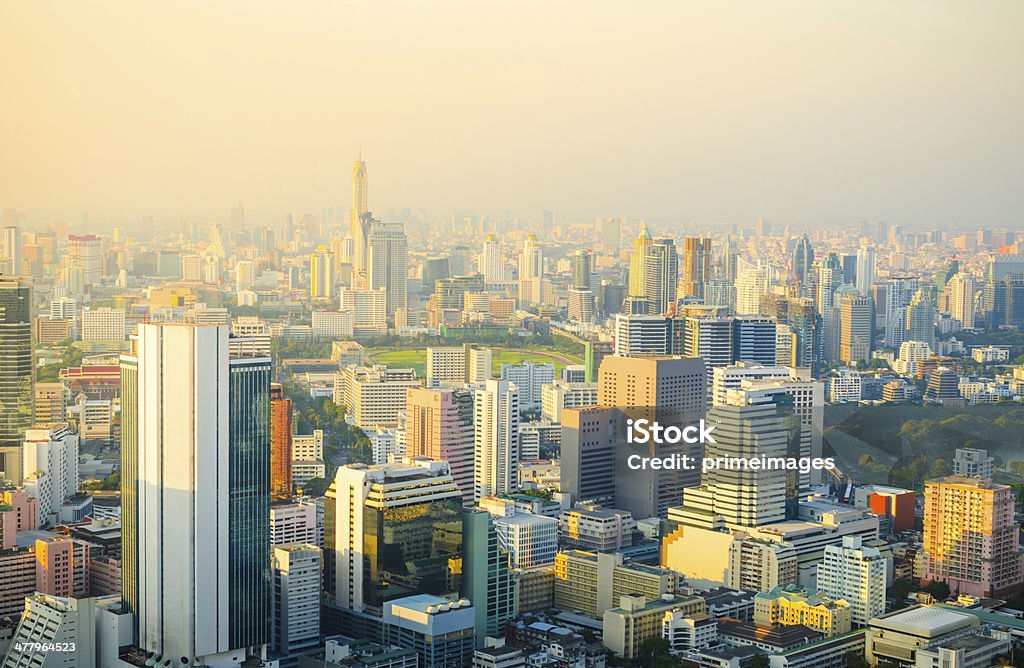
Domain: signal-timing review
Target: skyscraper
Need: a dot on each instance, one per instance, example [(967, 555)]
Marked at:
[(388, 263), (899, 290), (195, 494), (359, 218), (737, 498), (672, 390), (960, 291), (490, 263), (661, 274), (531, 272), (439, 425), (803, 258), (920, 319), (17, 374), (495, 439), (696, 266), (11, 251), (971, 541), (391, 529), (856, 327), (84, 253), (865, 269), (321, 274), (637, 263), (487, 579), (280, 443)]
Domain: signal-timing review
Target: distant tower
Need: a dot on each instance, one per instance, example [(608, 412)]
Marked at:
[(387, 263), (661, 274), (321, 274), (358, 222), (803, 257), (491, 264), (643, 241), (865, 269), (496, 439), (696, 266)]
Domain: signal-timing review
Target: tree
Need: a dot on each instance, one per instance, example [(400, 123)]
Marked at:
[(316, 487), (855, 660), (653, 647), (760, 661)]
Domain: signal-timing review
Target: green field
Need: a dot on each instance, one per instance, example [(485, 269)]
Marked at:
[(416, 358)]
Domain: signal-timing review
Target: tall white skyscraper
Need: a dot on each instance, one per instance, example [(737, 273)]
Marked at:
[(961, 290), (865, 269), (531, 272), (491, 264), (387, 250), (752, 281), (195, 495), (495, 439)]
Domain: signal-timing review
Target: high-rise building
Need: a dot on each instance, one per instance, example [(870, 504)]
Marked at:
[(960, 291), (737, 498), (295, 602), (971, 539), (84, 252), (582, 263), (865, 269), (439, 425), (376, 395), (491, 263), (696, 266), (486, 576), (531, 272), (803, 258), (495, 439), (195, 494), (661, 274), (359, 218), (920, 319), (322, 274), (17, 374), (899, 291), (856, 327), (529, 378), (458, 365), (11, 251), (752, 282), (413, 509), (671, 390), (856, 574), (388, 263), (642, 335), (103, 324), (50, 468), (280, 443), (638, 263)]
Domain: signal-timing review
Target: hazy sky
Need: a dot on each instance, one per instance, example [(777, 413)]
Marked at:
[(800, 111)]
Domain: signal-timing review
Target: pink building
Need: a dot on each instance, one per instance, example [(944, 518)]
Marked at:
[(25, 507), (62, 567), (439, 425)]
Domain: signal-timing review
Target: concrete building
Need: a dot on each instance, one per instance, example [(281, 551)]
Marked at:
[(637, 619), (458, 365), (57, 621), (591, 527), (973, 463), (856, 574), (559, 395), (965, 517), (495, 439), (590, 583), (103, 324), (439, 630), (295, 601), (439, 425), (529, 378), (50, 468), (300, 522), (376, 395), (486, 575), (931, 636)]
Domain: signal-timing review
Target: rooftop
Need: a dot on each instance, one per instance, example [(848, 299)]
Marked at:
[(925, 621)]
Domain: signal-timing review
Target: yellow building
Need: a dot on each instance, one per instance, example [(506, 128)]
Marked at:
[(788, 606)]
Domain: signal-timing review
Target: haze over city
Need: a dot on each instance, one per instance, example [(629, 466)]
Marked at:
[(792, 111)]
